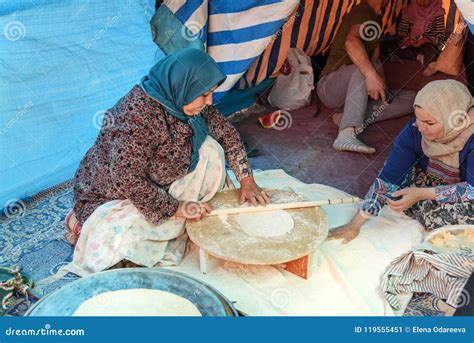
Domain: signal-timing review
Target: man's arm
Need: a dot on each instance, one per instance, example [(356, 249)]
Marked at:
[(356, 50), (378, 65)]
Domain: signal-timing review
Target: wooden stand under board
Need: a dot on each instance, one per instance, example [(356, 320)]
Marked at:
[(301, 267), (222, 238)]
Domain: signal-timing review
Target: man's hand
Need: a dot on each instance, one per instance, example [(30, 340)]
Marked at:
[(358, 54), (375, 86), (251, 192), (193, 209)]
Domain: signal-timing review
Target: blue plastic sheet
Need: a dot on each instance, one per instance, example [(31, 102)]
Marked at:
[(62, 64)]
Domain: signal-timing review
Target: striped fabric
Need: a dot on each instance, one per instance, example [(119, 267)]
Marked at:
[(313, 26), (250, 39), (452, 17), (434, 32), (424, 271), (234, 33), (440, 170)]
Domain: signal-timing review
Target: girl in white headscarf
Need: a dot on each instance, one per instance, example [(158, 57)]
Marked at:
[(429, 173)]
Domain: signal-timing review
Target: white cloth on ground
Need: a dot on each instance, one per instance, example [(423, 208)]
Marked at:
[(346, 280)]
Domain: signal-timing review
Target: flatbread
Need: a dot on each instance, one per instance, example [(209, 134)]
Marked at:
[(137, 302), (265, 223)]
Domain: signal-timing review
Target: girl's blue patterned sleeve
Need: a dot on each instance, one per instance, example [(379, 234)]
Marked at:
[(459, 192), (403, 156), (377, 197)]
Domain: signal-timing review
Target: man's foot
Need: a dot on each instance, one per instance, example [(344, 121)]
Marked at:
[(430, 69), (336, 118), (347, 141)]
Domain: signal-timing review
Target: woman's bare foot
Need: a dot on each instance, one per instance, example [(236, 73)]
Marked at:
[(430, 69), (420, 58)]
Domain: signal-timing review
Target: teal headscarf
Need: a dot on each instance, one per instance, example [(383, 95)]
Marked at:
[(177, 80)]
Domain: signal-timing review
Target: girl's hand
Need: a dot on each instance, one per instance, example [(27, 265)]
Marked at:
[(193, 209), (345, 232), (410, 196), (348, 231), (252, 193)]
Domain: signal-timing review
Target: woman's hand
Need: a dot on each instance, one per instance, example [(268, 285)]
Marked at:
[(251, 192), (419, 42), (348, 231), (407, 42), (410, 196), (193, 209)]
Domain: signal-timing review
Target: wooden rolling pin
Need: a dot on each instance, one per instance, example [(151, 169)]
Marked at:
[(287, 206)]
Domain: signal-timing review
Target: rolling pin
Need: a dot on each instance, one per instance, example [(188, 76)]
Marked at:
[(287, 206)]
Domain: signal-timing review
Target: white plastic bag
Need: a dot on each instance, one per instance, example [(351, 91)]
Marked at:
[(293, 90)]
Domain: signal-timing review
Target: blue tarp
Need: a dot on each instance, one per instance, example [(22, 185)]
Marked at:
[(62, 64)]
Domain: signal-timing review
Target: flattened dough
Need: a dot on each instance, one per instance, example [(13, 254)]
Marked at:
[(266, 223), (137, 302)]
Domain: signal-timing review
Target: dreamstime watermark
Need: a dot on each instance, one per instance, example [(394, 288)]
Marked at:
[(14, 30), (192, 209), (463, 299), (459, 120), (455, 36), (102, 297), (103, 119), (370, 30), (375, 114), (281, 298), (14, 208), (192, 31), (109, 23), (287, 24), (283, 121), (46, 331), (21, 111)]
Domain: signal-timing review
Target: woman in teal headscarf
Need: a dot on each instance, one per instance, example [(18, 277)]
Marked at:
[(160, 155)]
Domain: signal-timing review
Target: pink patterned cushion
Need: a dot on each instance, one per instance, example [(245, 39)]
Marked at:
[(73, 228)]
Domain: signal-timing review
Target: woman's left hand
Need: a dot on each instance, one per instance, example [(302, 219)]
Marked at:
[(410, 196), (251, 192)]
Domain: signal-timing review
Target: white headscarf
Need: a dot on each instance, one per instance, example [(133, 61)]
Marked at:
[(449, 102)]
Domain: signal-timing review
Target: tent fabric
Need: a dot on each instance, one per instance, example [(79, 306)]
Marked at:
[(466, 8), (312, 28), (170, 34), (63, 64), (234, 33)]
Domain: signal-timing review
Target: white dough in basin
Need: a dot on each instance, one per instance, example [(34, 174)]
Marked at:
[(265, 223), (137, 302)]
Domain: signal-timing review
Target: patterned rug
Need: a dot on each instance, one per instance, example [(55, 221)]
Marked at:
[(33, 239)]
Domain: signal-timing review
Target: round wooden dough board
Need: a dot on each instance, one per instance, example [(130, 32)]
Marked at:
[(221, 236)]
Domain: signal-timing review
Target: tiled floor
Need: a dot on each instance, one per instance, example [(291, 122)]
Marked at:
[(305, 151)]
